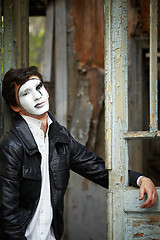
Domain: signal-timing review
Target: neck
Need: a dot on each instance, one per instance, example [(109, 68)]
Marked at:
[(43, 118), (44, 125)]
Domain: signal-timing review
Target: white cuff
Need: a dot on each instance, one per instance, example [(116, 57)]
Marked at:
[(138, 180)]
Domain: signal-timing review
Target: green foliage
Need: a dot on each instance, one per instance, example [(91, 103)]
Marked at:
[(36, 41)]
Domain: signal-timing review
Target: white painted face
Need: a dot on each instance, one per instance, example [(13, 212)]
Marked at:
[(33, 97)]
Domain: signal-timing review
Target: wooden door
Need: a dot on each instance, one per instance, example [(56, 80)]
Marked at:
[(126, 220)]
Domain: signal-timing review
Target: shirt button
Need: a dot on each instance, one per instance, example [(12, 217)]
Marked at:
[(41, 211), (41, 233)]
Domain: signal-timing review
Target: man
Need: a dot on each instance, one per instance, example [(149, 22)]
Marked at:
[(35, 159)]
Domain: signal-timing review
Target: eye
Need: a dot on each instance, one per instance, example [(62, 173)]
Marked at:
[(25, 94), (39, 86)]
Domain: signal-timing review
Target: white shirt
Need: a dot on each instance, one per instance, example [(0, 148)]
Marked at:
[(40, 226)]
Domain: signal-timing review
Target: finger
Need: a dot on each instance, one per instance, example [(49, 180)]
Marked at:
[(146, 204), (141, 193), (150, 202), (154, 198)]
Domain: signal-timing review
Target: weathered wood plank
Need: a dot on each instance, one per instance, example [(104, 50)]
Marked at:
[(1, 70), (132, 202), (60, 61), (82, 114), (24, 5), (9, 54), (141, 134), (116, 102), (15, 43), (153, 65), (48, 46)]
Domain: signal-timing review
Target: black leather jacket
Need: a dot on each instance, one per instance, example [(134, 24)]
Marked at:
[(20, 175)]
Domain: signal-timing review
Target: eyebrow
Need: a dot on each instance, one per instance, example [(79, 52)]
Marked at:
[(23, 91), (27, 89), (33, 78), (39, 85)]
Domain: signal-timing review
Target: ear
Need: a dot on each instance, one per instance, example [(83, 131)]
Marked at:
[(15, 108)]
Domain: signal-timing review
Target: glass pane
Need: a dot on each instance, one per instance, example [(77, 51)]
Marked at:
[(144, 155)]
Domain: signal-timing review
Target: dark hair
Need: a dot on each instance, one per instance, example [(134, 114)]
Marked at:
[(16, 77)]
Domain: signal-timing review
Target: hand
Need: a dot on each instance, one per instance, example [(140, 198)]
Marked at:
[(147, 187)]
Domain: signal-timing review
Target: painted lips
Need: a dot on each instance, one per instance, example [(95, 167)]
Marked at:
[(38, 105)]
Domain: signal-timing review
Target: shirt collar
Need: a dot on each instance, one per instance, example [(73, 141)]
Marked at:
[(35, 123)]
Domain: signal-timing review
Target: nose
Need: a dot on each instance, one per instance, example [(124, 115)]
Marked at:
[(37, 95)]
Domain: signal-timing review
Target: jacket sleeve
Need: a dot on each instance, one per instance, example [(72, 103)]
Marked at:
[(87, 164), (92, 167), (9, 193), (133, 176)]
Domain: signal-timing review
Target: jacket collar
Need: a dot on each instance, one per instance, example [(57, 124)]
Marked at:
[(56, 133)]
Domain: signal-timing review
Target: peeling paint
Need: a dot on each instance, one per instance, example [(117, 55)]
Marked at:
[(136, 224), (138, 235), (154, 219), (141, 134), (120, 58), (121, 179)]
